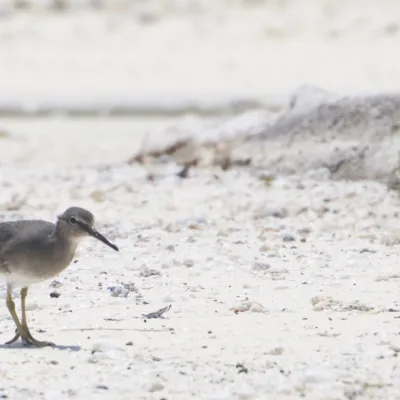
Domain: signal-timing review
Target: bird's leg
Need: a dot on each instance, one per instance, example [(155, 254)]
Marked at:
[(24, 331), (11, 308)]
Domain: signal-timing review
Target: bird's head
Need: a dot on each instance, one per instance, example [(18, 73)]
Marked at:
[(77, 222)]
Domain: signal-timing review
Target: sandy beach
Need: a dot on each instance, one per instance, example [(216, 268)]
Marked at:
[(295, 283), (280, 268)]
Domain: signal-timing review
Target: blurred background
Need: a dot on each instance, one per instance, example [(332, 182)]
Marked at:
[(123, 68)]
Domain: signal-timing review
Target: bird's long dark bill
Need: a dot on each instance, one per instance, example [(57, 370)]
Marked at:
[(92, 232)]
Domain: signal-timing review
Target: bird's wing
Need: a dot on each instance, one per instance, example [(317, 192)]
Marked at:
[(14, 230)]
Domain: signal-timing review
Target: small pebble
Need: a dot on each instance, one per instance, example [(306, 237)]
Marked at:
[(241, 369), (55, 295), (156, 387), (103, 387), (146, 272), (130, 287), (118, 291), (288, 238), (260, 266), (395, 347), (264, 248), (129, 343), (188, 262), (55, 284), (280, 213)]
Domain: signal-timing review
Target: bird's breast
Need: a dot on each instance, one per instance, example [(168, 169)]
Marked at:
[(36, 261)]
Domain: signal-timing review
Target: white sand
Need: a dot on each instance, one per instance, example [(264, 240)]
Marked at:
[(215, 245), (317, 317)]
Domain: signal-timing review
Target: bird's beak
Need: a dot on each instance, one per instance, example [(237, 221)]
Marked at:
[(97, 235)]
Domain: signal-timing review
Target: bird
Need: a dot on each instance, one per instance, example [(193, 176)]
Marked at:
[(32, 251)]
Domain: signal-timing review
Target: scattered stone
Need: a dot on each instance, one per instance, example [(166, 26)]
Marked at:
[(123, 290), (98, 195), (184, 172), (102, 387), (248, 305), (129, 343), (170, 247), (264, 248), (391, 238), (288, 238), (395, 347), (321, 303), (386, 277), (247, 286), (241, 369), (55, 295), (328, 334), (304, 231), (118, 291), (157, 314), (188, 262), (280, 213), (278, 273), (365, 250), (156, 387), (146, 272), (55, 284), (130, 286), (142, 238), (260, 266)]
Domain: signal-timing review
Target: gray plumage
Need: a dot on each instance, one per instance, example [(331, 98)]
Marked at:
[(32, 251)]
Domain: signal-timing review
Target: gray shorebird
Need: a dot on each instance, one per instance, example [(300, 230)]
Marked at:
[(32, 251)]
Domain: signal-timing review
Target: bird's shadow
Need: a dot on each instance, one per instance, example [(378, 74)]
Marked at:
[(24, 346)]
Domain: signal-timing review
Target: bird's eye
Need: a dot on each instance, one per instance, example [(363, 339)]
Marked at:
[(72, 220)]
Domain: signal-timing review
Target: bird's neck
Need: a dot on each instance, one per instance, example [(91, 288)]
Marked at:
[(71, 242)]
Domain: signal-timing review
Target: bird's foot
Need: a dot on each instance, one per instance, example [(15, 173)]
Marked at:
[(15, 338), (28, 339)]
